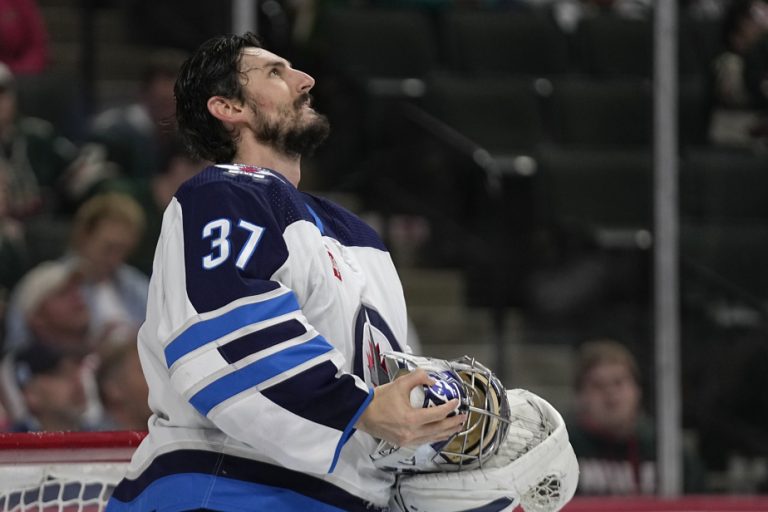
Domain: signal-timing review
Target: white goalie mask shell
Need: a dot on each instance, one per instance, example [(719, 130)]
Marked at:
[(482, 397)]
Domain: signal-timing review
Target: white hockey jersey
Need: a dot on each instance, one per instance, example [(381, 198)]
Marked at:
[(267, 310)]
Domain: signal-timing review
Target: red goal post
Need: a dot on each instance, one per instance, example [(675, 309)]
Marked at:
[(62, 471)]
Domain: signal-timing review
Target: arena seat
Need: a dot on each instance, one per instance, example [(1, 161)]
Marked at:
[(587, 112), (378, 42), (611, 46), (595, 189), (500, 114), (722, 185), (485, 42)]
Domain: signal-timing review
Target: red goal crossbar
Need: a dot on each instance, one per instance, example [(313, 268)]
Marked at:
[(698, 503), (37, 447), (81, 448)]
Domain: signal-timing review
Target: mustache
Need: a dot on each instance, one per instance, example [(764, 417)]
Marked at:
[(304, 99)]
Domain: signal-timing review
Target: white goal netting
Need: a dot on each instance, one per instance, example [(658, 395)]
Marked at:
[(74, 487), (62, 472)]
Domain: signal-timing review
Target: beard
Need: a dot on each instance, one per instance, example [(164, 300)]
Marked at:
[(296, 132)]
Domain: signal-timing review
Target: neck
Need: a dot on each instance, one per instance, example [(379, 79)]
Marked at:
[(616, 432), (73, 340), (250, 152)]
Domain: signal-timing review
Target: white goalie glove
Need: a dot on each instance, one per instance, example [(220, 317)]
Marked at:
[(514, 449)]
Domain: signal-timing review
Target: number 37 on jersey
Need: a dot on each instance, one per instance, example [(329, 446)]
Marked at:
[(219, 232)]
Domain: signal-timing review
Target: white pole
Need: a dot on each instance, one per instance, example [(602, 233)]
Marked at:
[(244, 16), (666, 279)]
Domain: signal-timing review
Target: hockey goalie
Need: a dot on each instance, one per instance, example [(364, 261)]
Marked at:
[(514, 449)]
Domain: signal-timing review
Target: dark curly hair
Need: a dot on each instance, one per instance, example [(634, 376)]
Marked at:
[(213, 70)]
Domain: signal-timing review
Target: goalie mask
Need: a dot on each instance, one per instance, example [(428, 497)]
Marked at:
[(481, 396)]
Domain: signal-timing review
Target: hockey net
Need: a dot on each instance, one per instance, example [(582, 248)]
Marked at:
[(62, 471)]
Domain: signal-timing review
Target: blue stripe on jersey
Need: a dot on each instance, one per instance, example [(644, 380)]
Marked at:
[(247, 471), (206, 331), (349, 430), (318, 222), (316, 394), (254, 342), (341, 224), (257, 372), (187, 491)]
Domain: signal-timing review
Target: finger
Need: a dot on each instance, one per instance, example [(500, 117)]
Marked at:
[(441, 431), (417, 377), (437, 413)]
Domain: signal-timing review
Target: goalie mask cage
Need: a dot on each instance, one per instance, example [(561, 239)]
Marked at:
[(62, 471)]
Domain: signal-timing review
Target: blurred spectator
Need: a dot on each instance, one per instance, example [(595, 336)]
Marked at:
[(48, 308), (568, 13), (739, 72), (193, 22), (113, 294), (84, 177), (733, 412), (107, 229), (136, 134), (122, 388), (32, 155), (154, 194), (12, 250), (744, 25), (704, 9), (612, 437), (23, 38), (50, 388)]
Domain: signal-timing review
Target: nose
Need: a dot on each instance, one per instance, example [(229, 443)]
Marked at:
[(305, 81)]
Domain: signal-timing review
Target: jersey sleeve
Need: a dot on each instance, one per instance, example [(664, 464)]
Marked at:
[(248, 359)]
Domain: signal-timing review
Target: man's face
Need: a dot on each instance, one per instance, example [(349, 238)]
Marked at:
[(64, 310), (58, 395), (107, 247), (609, 398), (279, 100)]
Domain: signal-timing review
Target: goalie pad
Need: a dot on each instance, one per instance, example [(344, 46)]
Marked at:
[(535, 467)]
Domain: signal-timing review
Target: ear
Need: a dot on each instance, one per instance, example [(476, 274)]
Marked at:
[(226, 110)]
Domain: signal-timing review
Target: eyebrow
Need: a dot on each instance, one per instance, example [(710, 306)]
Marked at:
[(270, 64), (276, 63)]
